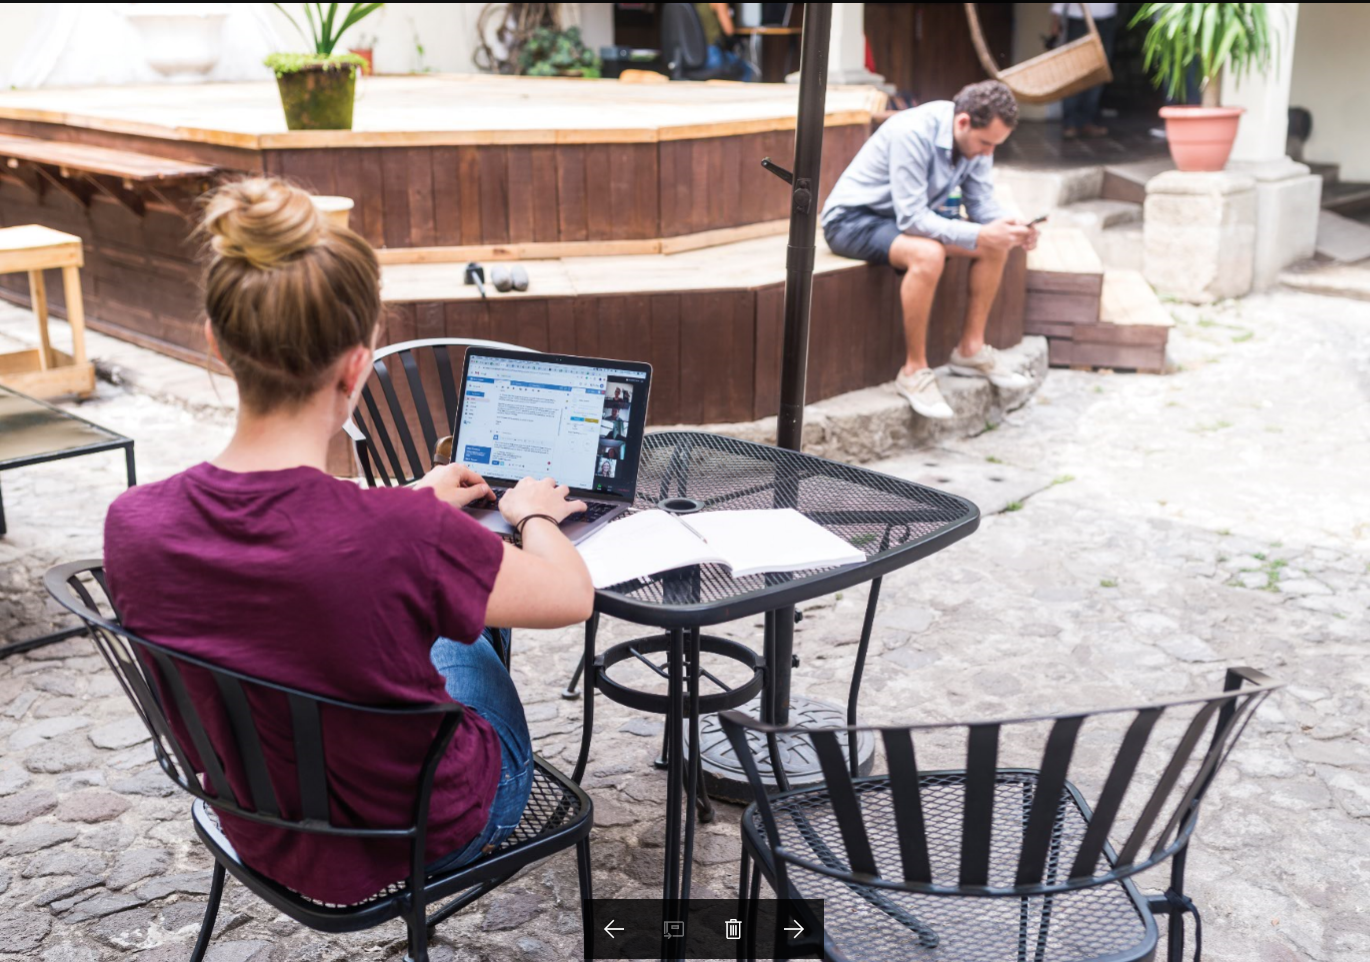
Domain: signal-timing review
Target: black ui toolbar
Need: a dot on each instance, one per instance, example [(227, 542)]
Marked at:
[(707, 929)]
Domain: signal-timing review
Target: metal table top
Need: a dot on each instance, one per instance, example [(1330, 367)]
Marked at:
[(895, 522), (32, 431)]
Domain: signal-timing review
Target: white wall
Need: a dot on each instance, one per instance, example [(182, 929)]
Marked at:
[(1031, 22), (1332, 79), (447, 32)]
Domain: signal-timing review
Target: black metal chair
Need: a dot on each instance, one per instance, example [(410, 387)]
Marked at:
[(987, 863), (684, 49), (382, 428), (558, 816)]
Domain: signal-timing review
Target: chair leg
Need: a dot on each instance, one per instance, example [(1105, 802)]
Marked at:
[(216, 892), (587, 915), (417, 923)]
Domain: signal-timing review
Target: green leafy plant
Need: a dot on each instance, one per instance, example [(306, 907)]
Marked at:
[(324, 29), (557, 53), (1220, 37)]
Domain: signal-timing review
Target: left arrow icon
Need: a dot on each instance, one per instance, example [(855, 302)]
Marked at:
[(610, 929)]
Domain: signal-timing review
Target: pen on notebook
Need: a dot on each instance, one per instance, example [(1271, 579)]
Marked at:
[(692, 530)]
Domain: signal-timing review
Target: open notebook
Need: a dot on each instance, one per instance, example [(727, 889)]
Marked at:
[(748, 542)]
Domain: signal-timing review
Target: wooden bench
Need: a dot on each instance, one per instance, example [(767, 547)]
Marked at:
[(78, 170), (45, 371)]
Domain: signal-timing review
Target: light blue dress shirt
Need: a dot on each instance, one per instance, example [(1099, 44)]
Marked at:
[(905, 171)]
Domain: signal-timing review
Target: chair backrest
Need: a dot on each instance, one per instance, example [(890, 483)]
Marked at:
[(407, 405), (682, 35), (1149, 768), (158, 682)]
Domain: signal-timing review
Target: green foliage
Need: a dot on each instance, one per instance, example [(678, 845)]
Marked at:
[(284, 63), (552, 53), (1108, 582), (324, 29), (1232, 37), (1013, 506)]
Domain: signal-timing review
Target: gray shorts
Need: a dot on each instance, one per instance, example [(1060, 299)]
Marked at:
[(861, 233)]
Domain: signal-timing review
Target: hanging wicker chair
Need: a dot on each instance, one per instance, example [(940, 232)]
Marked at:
[(1054, 75)]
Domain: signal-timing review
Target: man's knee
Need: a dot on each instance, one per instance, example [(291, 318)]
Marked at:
[(920, 256)]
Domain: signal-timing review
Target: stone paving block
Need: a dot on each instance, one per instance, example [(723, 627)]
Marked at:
[(26, 806), (34, 838), (23, 931), (121, 734), (99, 906), (92, 805), (135, 865)]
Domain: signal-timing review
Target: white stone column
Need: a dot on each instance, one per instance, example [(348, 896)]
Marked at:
[(847, 50), (1288, 196), (1264, 128)]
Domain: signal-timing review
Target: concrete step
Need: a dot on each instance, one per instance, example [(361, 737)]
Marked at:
[(1342, 239), (875, 422), (1120, 246), (1330, 280), (1093, 216), (1345, 197), (1043, 191), (1330, 173), (1127, 182)]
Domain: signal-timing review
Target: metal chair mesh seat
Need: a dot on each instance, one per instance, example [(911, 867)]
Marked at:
[(1095, 923), (550, 806)]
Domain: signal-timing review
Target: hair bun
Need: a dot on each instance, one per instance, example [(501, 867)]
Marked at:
[(263, 221)]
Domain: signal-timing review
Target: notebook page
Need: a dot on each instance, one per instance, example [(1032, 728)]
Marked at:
[(751, 542), (639, 545)]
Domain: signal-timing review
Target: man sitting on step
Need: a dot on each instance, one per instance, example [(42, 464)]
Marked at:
[(899, 203)]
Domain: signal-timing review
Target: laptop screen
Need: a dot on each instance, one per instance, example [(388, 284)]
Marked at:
[(579, 421)]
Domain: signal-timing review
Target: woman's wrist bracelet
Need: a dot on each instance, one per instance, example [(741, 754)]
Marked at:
[(529, 517)]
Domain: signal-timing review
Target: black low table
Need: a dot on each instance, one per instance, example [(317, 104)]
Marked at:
[(32, 432), (895, 522)]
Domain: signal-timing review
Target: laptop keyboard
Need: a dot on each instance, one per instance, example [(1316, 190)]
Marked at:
[(594, 509)]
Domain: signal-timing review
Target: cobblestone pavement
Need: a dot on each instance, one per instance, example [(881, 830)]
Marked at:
[(1216, 516)]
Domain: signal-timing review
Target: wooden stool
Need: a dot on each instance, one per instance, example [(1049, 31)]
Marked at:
[(45, 371)]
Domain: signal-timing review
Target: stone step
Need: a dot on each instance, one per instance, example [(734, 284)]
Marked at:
[(1342, 239), (1043, 191), (1120, 246), (1330, 173), (1127, 182), (1093, 216)]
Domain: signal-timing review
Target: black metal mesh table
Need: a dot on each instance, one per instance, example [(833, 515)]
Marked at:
[(34, 432), (893, 521)]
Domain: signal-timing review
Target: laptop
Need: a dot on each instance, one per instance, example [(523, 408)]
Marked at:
[(578, 420)]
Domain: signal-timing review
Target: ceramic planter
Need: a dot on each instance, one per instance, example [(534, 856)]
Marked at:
[(1201, 138), (318, 96)]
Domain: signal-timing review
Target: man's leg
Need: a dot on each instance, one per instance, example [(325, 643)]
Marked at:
[(921, 259), (986, 274)]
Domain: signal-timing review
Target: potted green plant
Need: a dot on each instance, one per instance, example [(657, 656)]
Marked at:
[(1199, 43), (549, 52), (317, 89)]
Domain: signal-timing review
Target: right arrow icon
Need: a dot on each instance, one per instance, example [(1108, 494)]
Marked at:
[(797, 929)]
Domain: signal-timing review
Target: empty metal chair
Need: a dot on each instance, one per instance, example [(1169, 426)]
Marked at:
[(985, 861), (237, 779)]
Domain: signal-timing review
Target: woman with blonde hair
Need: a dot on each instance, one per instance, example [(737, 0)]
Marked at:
[(259, 562)]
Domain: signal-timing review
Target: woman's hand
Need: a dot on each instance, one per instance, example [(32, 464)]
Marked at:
[(456, 484), (538, 497)]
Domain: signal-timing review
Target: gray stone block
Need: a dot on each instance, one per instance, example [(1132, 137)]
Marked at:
[(1199, 235)]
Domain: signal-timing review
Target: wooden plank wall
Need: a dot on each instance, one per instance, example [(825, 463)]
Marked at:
[(494, 194), (716, 354), (141, 275)]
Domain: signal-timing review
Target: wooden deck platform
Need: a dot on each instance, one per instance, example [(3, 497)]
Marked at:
[(442, 169)]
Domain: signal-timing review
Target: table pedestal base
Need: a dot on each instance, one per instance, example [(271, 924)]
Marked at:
[(723, 775)]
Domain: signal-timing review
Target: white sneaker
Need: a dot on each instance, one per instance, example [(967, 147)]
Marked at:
[(921, 391), (989, 364)]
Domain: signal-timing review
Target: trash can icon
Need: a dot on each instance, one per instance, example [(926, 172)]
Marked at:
[(732, 929)]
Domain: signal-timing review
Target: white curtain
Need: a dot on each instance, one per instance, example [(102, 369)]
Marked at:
[(97, 45)]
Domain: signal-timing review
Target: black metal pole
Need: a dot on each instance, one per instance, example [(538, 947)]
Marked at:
[(808, 158), (794, 360)]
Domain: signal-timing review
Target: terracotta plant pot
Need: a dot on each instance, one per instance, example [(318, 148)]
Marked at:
[(367, 54), (318, 96), (1201, 138)]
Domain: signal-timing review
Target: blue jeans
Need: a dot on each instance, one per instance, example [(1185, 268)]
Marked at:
[(477, 678), (717, 58), (1083, 108)]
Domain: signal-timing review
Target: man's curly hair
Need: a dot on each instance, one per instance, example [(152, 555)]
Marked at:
[(986, 100)]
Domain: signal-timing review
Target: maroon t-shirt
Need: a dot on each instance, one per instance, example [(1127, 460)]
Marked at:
[(311, 582)]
